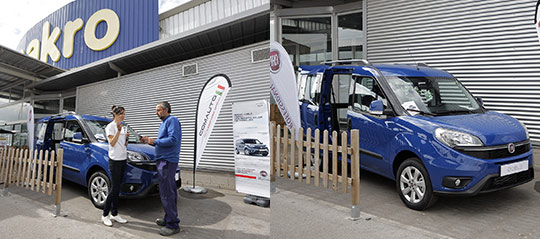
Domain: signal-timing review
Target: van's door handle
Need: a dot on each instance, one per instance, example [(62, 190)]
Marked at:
[(315, 119)]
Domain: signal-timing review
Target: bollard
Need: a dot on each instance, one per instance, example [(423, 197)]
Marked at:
[(355, 212), (355, 174), (58, 192)]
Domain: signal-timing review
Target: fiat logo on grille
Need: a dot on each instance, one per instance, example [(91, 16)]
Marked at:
[(511, 148)]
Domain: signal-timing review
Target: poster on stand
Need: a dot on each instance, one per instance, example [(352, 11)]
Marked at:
[(252, 147)]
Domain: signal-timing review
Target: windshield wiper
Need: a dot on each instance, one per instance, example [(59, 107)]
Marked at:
[(456, 112), (421, 112)]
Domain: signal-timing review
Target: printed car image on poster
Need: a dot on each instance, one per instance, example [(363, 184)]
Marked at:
[(251, 145)]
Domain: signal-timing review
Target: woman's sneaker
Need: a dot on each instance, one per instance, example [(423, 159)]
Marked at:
[(118, 219), (106, 220)]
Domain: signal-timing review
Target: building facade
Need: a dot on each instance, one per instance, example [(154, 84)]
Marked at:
[(491, 46), (195, 41)]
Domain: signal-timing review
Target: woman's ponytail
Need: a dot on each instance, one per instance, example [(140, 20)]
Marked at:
[(116, 110)]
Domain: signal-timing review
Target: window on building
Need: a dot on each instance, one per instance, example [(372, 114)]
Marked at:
[(308, 40), (47, 106), (69, 104), (350, 36)]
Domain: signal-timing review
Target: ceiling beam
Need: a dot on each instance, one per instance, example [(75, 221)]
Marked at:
[(10, 70), (285, 3), (16, 83), (13, 96)]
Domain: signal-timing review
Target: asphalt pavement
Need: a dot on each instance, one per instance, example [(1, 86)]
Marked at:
[(297, 211), (221, 213), (306, 211)]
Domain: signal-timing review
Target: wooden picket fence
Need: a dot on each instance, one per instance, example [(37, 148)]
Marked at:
[(275, 115), (291, 157), (35, 171)]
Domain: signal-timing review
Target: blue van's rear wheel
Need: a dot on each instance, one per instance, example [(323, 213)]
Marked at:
[(414, 186), (98, 188)]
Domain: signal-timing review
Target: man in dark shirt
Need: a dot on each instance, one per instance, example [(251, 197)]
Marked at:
[(167, 147)]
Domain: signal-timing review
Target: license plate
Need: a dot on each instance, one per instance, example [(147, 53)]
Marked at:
[(177, 176), (516, 167)]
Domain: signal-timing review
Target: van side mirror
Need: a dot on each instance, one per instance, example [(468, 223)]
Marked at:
[(377, 108), (479, 99), (77, 137)]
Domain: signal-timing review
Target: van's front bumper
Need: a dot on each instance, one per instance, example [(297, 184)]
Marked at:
[(484, 174), (140, 182)]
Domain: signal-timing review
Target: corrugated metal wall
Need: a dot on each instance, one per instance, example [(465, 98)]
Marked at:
[(208, 12), (140, 92), (491, 46)]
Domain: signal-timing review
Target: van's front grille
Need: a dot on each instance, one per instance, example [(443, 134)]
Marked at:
[(508, 180), (145, 166), (495, 152)]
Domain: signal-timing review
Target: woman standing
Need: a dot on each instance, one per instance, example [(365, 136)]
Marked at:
[(117, 137)]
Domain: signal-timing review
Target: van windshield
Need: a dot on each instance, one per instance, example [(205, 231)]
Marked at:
[(98, 130), (433, 95)]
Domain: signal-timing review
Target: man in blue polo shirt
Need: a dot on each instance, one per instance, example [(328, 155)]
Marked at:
[(167, 147)]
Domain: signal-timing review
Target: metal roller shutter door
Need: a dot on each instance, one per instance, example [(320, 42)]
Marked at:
[(491, 46), (140, 92)]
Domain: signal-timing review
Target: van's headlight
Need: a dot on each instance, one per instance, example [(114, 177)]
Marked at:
[(136, 157), (524, 128), (455, 138)]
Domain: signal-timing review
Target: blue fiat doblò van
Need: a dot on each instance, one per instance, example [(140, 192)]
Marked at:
[(86, 160), (418, 126)]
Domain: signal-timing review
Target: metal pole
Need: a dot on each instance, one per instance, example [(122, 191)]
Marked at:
[(334, 36), (364, 30)]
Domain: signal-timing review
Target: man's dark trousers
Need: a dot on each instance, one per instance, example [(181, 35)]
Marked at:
[(167, 191)]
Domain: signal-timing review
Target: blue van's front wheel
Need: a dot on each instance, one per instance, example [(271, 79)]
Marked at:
[(98, 188), (414, 186)]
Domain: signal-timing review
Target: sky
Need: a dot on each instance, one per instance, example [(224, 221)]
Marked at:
[(18, 16)]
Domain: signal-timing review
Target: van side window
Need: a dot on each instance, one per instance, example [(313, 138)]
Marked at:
[(41, 128), (339, 99), (72, 127), (58, 128), (311, 90), (301, 86), (366, 90)]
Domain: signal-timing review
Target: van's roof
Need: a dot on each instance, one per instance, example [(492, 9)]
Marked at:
[(385, 69), (410, 70), (72, 117)]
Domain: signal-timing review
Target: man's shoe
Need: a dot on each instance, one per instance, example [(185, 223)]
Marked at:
[(106, 220), (165, 231), (118, 219), (160, 222)]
